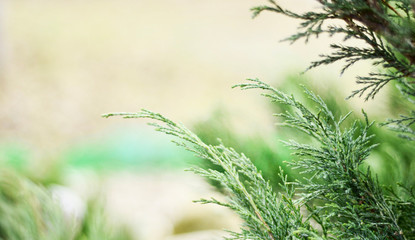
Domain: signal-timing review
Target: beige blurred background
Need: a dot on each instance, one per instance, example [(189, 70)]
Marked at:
[(67, 62), (64, 63)]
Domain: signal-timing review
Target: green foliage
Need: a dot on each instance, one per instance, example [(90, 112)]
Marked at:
[(118, 152), (29, 211), (266, 215), (344, 199), (267, 154), (391, 161), (352, 200), (97, 226), (388, 30), (338, 197), (386, 27)]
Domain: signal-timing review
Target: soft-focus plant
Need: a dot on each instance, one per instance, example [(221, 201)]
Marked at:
[(30, 211)]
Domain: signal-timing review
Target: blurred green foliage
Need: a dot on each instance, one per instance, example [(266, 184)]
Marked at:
[(30, 211), (96, 225), (122, 149), (126, 149), (14, 155)]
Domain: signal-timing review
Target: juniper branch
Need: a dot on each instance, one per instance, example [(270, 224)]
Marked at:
[(250, 195), (387, 27), (353, 201)]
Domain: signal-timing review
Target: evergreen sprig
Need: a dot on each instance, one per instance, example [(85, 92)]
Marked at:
[(351, 202), (387, 28), (267, 215), (403, 126)]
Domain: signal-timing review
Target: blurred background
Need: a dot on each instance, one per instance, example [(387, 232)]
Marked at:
[(64, 63)]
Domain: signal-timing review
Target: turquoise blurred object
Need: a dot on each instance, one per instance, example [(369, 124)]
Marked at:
[(132, 149)]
